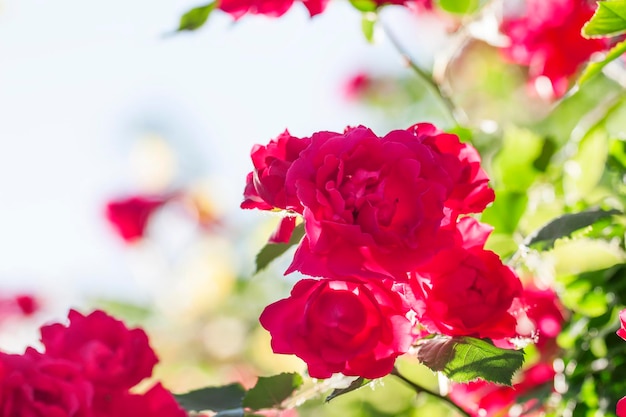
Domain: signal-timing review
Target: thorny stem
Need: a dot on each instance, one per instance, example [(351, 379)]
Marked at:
[(419, 388), (450, 109)]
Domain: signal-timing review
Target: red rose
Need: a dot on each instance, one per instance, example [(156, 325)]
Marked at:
[(35, 385), (352, 327), (373, 207), (273, 8), (465, 290), (265, 186), (622, 330), (471, 192), (547, 39), (621, 408), (130, 216), (483, 398), (156, 402), (541, 317), (111, 355)]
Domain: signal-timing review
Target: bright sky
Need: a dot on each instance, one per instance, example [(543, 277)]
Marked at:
[(80, 80)]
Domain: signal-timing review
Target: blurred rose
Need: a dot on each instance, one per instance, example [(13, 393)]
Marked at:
[(36, 385), (130, 216), (111, 355), (273, 8), (156, 402), (547, 39)]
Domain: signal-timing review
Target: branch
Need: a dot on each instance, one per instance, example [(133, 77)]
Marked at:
[(450, 109), (419, 388)]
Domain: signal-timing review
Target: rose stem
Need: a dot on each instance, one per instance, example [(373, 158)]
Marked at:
[(419, 388)]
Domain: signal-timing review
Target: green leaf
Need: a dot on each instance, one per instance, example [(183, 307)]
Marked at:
[(608, 20), (594, 68), (465, 359), (196, 17), (272, 251), (270, 392), (460, 6), (364, 5), (227, 398), (368, 24), (356, 384), (565, 225)]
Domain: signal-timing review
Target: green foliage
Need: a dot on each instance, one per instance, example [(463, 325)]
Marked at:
[(225, 398), (368, 25), (271, 391), (608, 20), (594, 68), (465, 359), (272, 251), (565, 225), (364, 5), (234, 401), (196, 17), (460, 6)]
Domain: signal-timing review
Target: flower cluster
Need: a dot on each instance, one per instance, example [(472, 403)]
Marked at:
[(388, 237), (86, 370)]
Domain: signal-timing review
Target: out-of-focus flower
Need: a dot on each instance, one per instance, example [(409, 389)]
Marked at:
[(37, 385), (622, 330), (547, 39), (356, 328), (356, 86), (111, 355), (21, 305), (130, 216), (272, 8), (482, 398), (156, 402)]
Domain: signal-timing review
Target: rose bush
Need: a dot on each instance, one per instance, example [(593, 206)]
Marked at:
[(349, 326)]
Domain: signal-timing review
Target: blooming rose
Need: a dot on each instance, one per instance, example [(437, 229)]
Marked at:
[(156, 402), (130, 216), (465, 290), (378, 207), (471, 192), (111, 355), (481, 398), (273, 8), (547, 39), (352, 327), (35, 385)]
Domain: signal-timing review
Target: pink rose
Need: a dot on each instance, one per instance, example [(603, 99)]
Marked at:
[(130, 216), (111, 355), (352, 327), (373, 207), (465, 290), (35, 385), (156, 402), (547, 39)]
